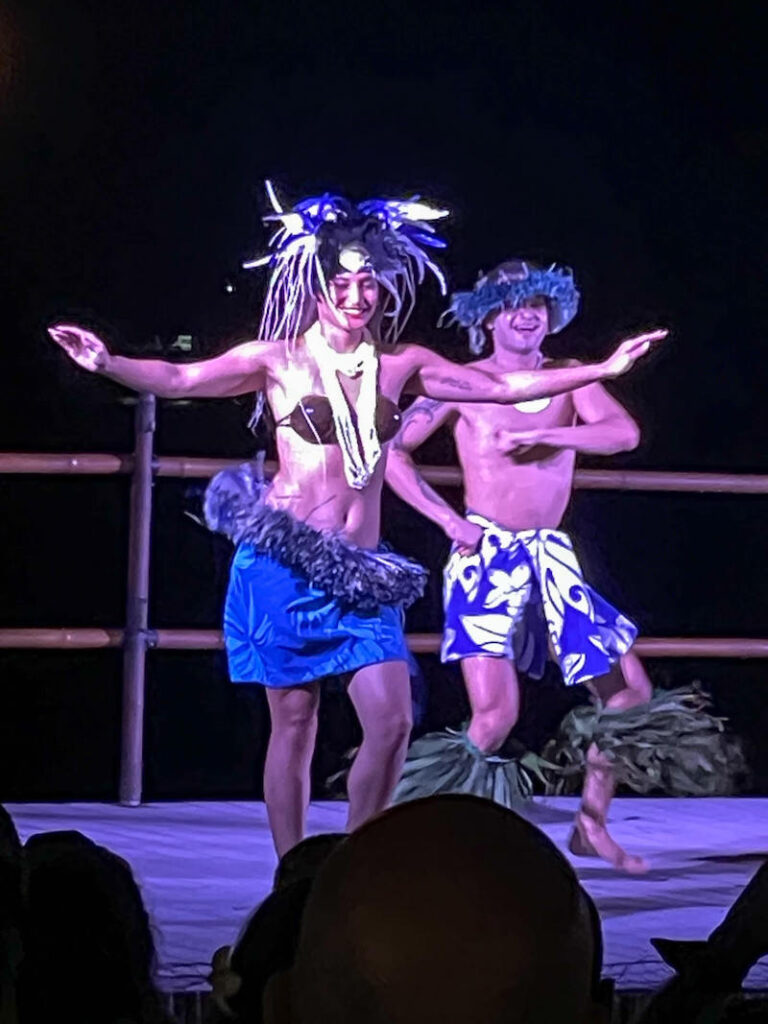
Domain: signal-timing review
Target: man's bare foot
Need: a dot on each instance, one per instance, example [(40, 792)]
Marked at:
[(591, 838)]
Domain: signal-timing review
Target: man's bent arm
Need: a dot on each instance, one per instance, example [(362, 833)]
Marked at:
[(604, 428), (607, 437), (421, 420)]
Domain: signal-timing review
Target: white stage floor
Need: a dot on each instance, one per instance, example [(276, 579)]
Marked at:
[(203, 866)]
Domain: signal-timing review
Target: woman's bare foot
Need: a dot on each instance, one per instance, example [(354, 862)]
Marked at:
[(591, 838)]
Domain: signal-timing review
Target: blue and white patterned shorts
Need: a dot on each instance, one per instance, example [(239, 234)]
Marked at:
[(522, 592)]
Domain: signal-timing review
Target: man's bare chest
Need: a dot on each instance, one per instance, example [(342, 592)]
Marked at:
[(487, 421)]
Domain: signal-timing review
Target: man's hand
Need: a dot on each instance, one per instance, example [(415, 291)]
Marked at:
[(518, 442), (629, 351), (466, 536), (81, 346)]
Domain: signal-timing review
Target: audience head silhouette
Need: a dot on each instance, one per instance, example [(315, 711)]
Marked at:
[(447, 909), (89, 951)]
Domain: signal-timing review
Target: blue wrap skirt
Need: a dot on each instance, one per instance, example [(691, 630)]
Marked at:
[(302, 603), (280, 630)]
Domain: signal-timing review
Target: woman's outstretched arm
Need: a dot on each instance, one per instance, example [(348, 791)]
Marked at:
[(239, 371), (436, 377)]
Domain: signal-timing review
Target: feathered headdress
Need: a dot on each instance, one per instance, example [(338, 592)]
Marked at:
[(315, 240), (506, 288)]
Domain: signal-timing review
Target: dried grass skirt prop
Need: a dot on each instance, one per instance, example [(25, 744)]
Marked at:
[(672, 744), (449, 762)]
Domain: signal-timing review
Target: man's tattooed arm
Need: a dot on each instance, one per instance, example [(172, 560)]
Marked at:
[(421, 420), (456, 384)]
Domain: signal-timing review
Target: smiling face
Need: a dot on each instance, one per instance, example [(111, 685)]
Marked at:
[(354, 298), (522, 329)]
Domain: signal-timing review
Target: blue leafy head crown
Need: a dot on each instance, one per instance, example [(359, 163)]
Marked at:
[(507, 287), (322, 235)]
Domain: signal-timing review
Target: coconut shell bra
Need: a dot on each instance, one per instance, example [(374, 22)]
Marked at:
[(312, 419)]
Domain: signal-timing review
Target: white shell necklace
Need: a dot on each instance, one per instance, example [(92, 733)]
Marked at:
[(360, 448)]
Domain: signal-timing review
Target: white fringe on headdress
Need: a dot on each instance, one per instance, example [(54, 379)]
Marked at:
[(297, 268)]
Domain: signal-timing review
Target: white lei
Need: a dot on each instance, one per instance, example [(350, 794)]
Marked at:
[(360, 448)]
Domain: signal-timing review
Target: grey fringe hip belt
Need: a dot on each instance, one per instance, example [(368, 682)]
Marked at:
[(364, 578)]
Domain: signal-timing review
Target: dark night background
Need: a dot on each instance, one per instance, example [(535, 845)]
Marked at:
[(628, 142)]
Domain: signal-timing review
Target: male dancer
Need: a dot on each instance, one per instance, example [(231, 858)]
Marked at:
[(513, 585)]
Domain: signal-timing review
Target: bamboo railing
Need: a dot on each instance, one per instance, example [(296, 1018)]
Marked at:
[(137, 638)]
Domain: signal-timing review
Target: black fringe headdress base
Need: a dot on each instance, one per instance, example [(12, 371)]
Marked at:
[(364, 579)]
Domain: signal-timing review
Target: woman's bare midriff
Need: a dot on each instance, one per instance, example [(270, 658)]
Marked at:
[(311, 485)]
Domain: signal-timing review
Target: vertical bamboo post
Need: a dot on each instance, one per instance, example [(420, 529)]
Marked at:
[(135, 643)]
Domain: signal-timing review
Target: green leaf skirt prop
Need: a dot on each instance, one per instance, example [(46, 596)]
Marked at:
[(449, 762), (670, 745)]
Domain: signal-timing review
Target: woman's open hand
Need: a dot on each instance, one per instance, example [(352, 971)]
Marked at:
[(83, 347)]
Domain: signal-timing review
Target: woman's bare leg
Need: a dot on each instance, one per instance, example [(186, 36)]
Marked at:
[(381, 695), (293, 711), (494, 696)]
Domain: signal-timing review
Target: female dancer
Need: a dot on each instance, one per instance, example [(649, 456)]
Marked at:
[(311, 594)]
